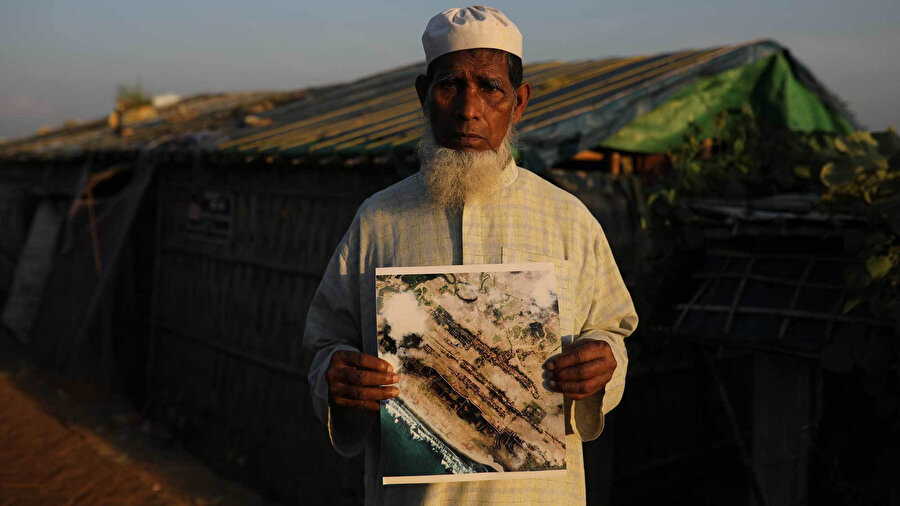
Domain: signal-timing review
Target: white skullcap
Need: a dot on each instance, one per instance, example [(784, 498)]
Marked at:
[(470, 28)]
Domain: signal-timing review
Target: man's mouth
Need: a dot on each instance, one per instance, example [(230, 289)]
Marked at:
[(467, 140)]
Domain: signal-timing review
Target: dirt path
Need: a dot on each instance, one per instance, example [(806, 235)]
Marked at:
[(63, 442)]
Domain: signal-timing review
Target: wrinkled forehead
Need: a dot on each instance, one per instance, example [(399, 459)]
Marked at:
[(477, 61)]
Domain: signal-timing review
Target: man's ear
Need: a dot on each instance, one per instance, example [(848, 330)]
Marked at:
[(523, 94), (422, 89)]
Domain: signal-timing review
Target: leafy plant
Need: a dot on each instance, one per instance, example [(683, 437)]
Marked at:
[(855, 176), (132, 96), (862, 178)]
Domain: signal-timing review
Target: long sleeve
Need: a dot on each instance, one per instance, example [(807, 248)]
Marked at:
[(332, 324), (609, 316)]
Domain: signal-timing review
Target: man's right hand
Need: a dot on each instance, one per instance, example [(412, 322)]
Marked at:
[(356, 380)]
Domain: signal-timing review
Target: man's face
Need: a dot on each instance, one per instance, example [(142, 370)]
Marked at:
[(471, 101)]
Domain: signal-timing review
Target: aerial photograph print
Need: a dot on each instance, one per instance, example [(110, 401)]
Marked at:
[(469, 343)]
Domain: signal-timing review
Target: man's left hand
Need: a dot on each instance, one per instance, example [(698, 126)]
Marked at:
[(582, 370)]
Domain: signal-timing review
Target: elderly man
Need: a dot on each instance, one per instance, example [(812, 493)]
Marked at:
[(470, 204)]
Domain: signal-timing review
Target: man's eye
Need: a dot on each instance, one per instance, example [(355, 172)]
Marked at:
[(446, 83)]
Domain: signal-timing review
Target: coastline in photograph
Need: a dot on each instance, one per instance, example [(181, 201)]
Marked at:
[(469, 343)]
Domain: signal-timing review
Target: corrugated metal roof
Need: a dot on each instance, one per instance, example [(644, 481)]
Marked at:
[(355, 121), (574, 106), (206, 114)]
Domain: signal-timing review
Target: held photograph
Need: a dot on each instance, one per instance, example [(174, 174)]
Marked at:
[(469, 343)]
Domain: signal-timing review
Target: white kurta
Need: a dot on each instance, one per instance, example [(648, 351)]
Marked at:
[(526, 220)]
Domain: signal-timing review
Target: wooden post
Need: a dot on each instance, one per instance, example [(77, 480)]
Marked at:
[(782, 411)]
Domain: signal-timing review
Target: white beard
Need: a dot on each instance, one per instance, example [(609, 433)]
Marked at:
[(454, 178)]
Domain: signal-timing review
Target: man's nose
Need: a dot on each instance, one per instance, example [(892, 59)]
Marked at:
[(469, 105)]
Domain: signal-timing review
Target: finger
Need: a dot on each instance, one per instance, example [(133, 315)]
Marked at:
[(365, 361), (591, 350), (585, 371), (579, 389), (357, 404), (364, 377), (364, 393)]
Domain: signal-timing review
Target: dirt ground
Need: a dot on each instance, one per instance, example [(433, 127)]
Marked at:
[(66, 442)]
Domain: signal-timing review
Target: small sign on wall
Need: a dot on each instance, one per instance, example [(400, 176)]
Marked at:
[(210, 215)]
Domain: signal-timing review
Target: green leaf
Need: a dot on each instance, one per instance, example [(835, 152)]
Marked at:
[(840, 146), (879, 266), (802, 171), (863, 137), (833, 174), (827, 173), (670, 195), (851, 304)]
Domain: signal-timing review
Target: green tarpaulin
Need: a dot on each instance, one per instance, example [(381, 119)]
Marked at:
[(768, 86)]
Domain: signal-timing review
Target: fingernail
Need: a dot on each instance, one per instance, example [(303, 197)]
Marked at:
[(390, 368), (395, 378), (553, 385), (548, 366), (395, 391)]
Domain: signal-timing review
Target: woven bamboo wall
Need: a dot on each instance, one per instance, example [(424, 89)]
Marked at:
[(228, 373), (21, 189), (228, 369), (16, 210), (672, 424)]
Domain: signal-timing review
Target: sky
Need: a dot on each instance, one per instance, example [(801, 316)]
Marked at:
[(63, 60)]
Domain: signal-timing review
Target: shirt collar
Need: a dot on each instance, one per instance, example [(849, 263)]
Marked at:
[(509, 173)]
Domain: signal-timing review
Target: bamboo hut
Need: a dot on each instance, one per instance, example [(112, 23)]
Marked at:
[(191, 243)]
